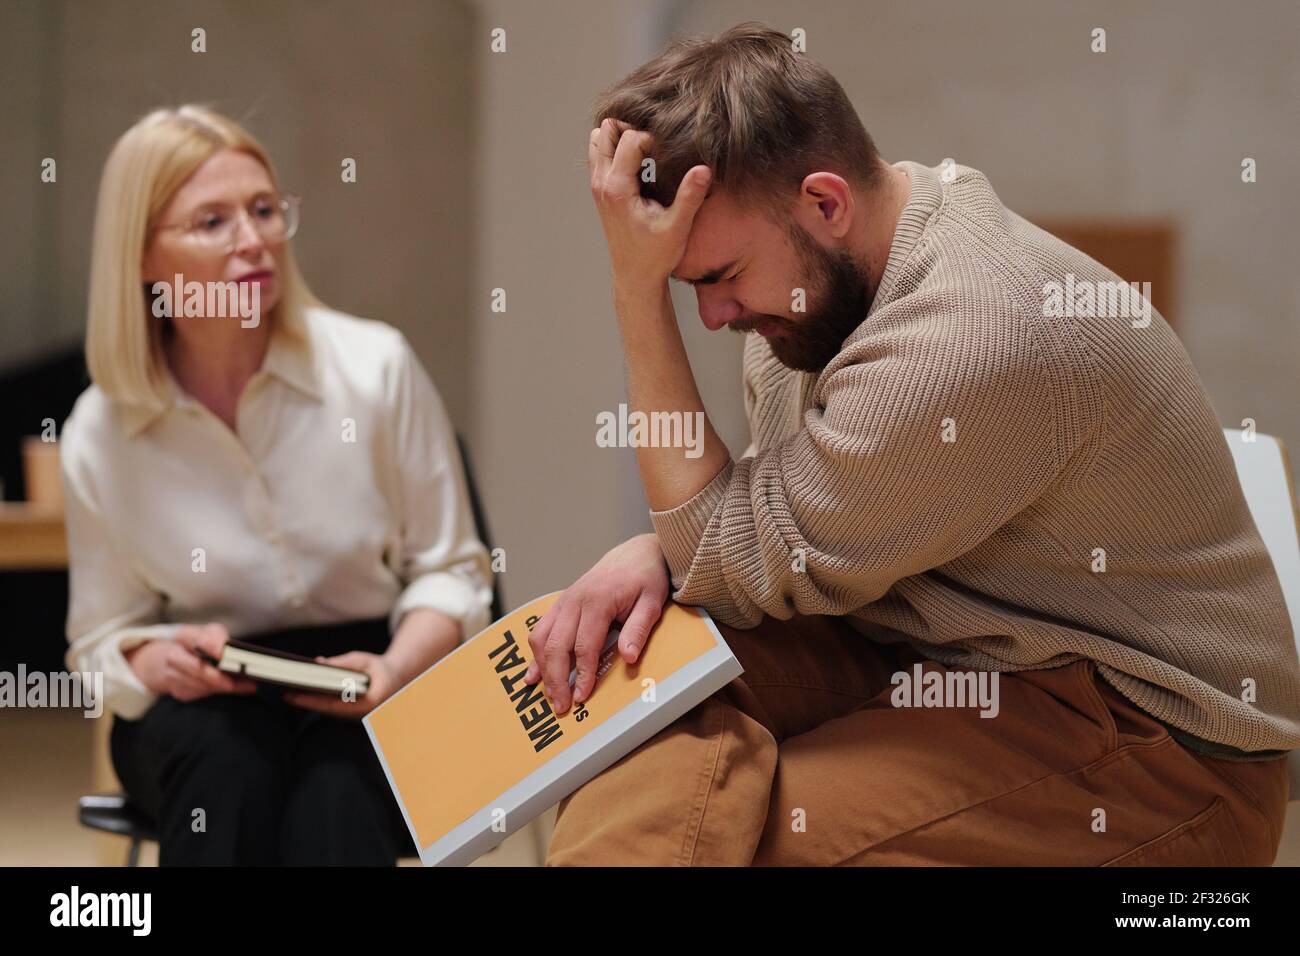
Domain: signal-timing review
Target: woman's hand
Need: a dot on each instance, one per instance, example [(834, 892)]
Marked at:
[(628, 585), (384, 682), (424, 637), (172, 667)]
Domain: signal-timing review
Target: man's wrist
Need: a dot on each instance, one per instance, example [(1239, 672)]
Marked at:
[(634, 293)]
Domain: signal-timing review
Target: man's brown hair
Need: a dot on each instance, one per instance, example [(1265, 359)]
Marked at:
[(744, 103)]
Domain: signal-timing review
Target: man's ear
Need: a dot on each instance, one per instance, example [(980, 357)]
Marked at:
[(825, 207)]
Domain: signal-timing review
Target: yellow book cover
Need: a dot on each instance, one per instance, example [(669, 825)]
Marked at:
[(473, 753)]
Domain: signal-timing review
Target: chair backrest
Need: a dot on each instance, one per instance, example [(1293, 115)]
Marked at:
[(1265, 477), (480, 523)]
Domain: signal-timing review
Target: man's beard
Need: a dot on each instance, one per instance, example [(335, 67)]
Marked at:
[(844, 297)]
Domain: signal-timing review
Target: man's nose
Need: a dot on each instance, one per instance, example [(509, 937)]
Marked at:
[(716, 307)]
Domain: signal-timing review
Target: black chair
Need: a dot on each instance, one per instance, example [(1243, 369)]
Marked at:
[(115, 813)]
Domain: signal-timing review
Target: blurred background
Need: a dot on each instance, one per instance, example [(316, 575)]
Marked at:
[(471, 177)]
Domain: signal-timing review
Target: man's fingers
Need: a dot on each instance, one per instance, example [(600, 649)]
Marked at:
[(607, 134), (637, 627), (601, 145), (691, 193), (537, 641), (556, 658), (614, 153), (540, 636), (592, 631), (597, 160), (633, 147)]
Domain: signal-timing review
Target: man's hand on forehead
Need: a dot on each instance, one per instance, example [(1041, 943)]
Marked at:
[(646, 240)]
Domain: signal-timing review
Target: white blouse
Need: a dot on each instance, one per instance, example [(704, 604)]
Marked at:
[(343, 497)]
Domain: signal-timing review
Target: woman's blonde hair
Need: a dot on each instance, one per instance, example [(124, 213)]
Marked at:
[(124, 343)]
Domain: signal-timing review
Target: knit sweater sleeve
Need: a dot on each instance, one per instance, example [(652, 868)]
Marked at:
[(933, 427)]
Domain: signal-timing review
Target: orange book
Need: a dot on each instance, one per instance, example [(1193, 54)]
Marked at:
[(473, 753)]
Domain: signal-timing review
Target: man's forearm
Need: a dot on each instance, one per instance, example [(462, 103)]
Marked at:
[(659, 379)]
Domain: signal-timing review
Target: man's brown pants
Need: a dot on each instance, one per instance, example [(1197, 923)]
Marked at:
[(804, 760)]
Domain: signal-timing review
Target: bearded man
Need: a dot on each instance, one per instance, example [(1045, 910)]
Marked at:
[(949, 476)]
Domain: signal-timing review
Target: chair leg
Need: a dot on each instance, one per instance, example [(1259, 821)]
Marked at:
[(133, 854)]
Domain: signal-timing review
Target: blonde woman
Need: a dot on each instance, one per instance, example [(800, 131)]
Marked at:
[(249, 462)]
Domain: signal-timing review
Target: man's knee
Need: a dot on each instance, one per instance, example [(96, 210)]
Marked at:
[(696, 793)]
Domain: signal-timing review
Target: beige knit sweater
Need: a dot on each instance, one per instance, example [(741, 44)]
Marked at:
[(1005, 486)]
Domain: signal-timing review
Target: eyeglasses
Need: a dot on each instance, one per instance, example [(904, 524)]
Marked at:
[(215, 229)]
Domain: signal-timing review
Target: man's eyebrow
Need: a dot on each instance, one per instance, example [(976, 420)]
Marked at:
[(710, 277)]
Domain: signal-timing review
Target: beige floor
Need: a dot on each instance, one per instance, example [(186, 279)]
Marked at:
[(47, 762), (47, 759)]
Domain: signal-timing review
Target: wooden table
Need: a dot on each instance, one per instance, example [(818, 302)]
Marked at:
[(31, 538)]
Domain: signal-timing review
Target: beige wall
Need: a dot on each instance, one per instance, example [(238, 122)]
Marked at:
[(316, 82), (26, 220)]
